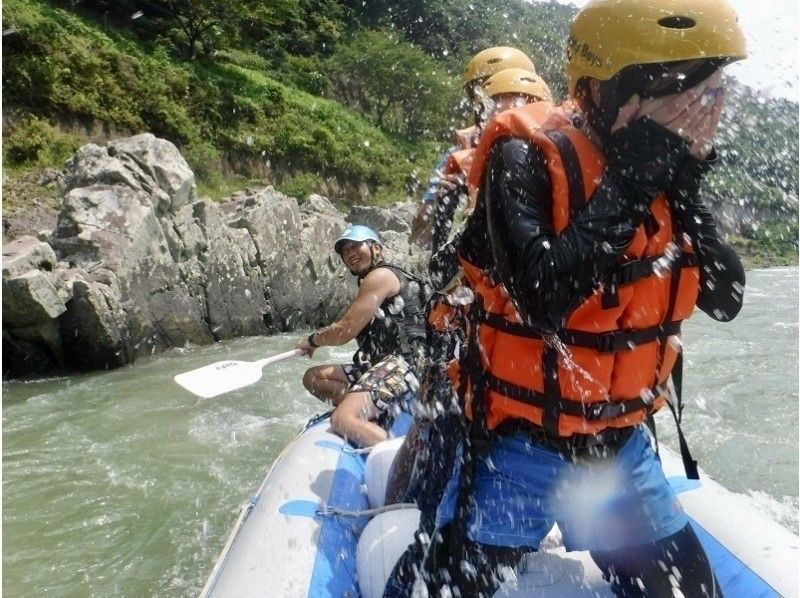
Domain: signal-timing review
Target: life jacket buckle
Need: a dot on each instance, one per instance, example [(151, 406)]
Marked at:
[(608, 342), (599, 411)]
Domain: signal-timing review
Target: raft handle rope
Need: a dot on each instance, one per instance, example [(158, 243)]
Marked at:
[(351, 450), (327, 510)]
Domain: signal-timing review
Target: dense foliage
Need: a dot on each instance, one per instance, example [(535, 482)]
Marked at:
[(327, 95)]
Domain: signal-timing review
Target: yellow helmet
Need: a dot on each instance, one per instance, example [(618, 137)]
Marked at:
[(492, 60), (608, 35), (519, 81)]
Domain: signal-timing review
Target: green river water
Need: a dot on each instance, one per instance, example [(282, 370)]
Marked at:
[(120, 483)]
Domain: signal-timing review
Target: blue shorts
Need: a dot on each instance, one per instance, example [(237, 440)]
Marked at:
[(522, 488)]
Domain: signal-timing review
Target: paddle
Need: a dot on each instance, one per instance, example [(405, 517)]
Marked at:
[(224, 376)]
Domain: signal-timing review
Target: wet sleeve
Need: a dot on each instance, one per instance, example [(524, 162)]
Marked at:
[(554, 272), (722, 277)]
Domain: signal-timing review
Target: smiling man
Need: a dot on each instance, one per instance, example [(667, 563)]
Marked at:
[(387, 320)]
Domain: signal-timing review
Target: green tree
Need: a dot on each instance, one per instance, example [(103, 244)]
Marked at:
[(398, 85)]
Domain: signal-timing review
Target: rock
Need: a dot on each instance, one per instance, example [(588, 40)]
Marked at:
[(30, 292), (94, 328), (30, 298), (143, 162), (161, 161), (396, 247), (137, 264), (48, 176), (392, 218), (27, 253), (233, 278), (47, 334), (317, 204), (25, 358)]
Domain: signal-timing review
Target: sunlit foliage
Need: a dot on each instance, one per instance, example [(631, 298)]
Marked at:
[(298, 91)]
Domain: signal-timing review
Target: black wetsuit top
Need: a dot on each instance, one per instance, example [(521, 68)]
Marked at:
[(398, 327), (548, 274)]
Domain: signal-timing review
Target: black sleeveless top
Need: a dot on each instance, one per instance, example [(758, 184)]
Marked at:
[(398, 326)]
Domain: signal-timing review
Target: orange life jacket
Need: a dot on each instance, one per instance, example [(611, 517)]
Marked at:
[(459, 162), (619, 346), (467, 138)]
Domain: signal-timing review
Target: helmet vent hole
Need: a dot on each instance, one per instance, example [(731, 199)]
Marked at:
[(494, 60), (677, 22)]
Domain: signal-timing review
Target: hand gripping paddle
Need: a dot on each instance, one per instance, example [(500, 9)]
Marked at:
[(224, 376)]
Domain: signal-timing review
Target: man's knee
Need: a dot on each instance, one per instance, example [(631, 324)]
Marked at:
[(309, 379)]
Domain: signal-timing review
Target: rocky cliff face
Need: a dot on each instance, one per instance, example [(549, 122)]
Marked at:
[(138, 264)]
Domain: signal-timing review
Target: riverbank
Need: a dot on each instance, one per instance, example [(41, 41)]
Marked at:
[(136, 262), (118, 256), (31, 204)]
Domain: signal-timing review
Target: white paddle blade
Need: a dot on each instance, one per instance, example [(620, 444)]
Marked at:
[(224, 376), (221, 377)]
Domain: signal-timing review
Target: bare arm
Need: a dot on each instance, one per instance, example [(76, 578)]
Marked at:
[(375, 288)]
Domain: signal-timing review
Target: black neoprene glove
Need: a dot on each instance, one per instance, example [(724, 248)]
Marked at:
[(642, 158), (646, 153)]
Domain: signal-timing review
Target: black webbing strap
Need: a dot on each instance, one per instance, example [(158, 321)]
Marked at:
[(572, 169), (619, 340), (635, 270), (629, 272), (590, 411), (689, 464), (651, 425), (476, 437), (651, 226), (615, 341), (552, 391), (498, 322), (611, 293), (677, 382)]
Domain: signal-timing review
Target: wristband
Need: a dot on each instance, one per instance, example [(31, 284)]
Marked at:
[(311, 341)]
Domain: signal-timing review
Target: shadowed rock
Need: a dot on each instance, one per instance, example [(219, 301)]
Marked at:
[(138, 264)]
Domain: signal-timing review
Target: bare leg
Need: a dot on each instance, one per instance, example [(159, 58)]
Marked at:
[(351, 420), (327, 383)]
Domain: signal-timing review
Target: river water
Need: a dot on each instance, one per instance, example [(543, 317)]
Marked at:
[(121, 483)]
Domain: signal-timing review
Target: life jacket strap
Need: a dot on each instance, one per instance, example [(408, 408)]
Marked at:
[(476, 434), (689, 463), (572, 170), (599, 411), (614, 341), (635, 270), (607, 438), (619, 340)]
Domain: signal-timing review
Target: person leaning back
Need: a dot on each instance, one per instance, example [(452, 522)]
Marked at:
[(588, 247), (387, 321), (480, 67)]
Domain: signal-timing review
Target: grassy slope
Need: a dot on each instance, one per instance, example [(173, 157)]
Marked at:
[(234, 121), (218, 112)]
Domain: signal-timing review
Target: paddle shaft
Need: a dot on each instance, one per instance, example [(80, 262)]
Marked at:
[(279, 357)]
